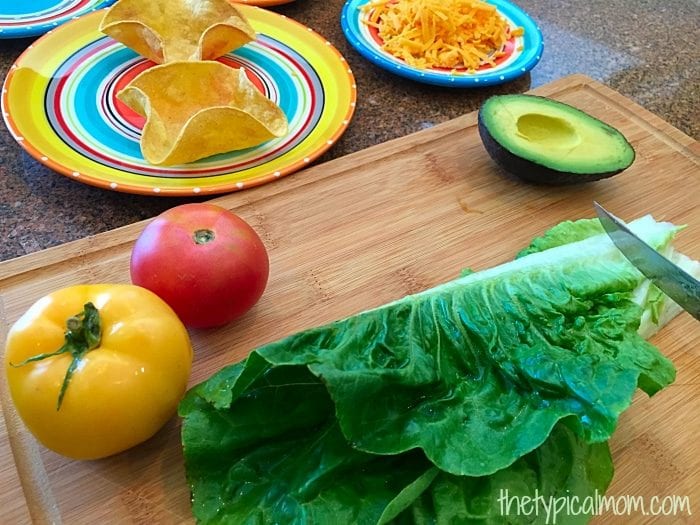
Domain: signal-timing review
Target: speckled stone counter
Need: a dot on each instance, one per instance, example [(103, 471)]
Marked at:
[(645, 49)]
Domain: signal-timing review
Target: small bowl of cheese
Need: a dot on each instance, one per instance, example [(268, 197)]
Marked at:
[(462, 43)]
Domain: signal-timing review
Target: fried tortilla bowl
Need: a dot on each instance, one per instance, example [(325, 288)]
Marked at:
[(174, 30), (197, 109)]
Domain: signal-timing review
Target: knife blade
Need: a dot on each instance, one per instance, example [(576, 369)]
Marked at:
[(675, 282)]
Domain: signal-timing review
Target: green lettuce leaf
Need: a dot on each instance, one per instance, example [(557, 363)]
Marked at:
[(658, 308), (277, 455), (563, 467), (563, 233), (469, 377)]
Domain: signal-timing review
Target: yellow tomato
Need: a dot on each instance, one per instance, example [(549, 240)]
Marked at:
[(96, 369)]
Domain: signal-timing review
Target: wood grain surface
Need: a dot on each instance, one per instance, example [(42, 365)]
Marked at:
[(358, 232)]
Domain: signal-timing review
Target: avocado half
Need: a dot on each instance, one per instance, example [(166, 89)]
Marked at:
[(544, 141)]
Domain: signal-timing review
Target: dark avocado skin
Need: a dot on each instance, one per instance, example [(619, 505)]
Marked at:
[(531, 171)]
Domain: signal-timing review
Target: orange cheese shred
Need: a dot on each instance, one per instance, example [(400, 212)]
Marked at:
[(450, 34)]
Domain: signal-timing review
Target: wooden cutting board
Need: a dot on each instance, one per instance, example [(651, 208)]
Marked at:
[(355, 233)]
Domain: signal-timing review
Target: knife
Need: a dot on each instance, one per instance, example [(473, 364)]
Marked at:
[(678, 284)]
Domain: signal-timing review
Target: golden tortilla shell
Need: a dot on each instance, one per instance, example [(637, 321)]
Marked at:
[(197, 109), (174, 30)]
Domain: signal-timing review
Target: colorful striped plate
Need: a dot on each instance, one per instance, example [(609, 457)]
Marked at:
[(265, 3), (522, 53), (20, 19), (59, 102)]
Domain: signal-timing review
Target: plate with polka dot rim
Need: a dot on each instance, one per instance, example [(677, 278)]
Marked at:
[(521, 53), (24, 19), (59, 103)]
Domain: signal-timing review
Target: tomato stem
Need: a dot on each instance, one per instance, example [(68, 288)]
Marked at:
[(203, 236), (83, 333)]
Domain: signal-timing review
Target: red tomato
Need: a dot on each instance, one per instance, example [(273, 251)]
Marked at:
[(207, 263)]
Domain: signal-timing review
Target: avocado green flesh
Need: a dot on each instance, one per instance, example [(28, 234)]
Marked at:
[(555, 135)]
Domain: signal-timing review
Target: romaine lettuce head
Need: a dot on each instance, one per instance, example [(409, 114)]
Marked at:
[(469, 377)]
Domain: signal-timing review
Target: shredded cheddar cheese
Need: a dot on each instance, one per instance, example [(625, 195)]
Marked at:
[(451, 34)]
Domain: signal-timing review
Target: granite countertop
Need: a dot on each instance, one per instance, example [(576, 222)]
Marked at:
[(645, 49)]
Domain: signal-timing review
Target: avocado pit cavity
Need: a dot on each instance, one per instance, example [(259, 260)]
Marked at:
[(550, 132)]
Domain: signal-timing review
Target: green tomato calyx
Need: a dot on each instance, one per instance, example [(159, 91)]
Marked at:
[(203, 236), (83, 333)]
